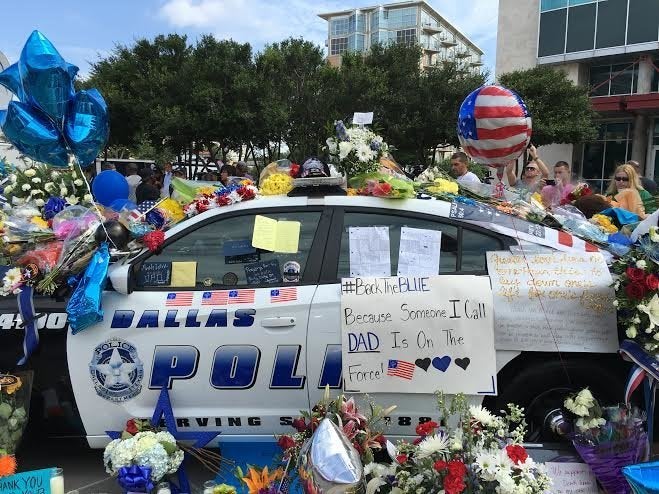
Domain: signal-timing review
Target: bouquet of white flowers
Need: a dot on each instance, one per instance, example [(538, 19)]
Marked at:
[(356, 150), (155, 450)]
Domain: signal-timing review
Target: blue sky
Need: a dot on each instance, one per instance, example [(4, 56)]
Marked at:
[(83, 30)]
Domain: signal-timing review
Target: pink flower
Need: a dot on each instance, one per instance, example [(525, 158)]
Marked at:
[(350, 412), (350, 429)]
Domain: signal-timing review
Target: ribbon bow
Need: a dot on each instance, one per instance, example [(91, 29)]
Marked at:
[(135, 479)]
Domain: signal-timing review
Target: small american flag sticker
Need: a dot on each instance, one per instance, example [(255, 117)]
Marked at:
[(214, 298), (283, 295), (179, 299), (241, 297), (400, 368)]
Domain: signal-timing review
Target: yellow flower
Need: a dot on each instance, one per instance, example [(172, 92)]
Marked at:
[(39, 222), (206, 190), (353, 192), (172, 208), (10, 384), (277, 184), (256, 480), (443, 186), (604, 222)]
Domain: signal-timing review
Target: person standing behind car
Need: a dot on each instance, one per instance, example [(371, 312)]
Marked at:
[(460, 167), (146, 190)]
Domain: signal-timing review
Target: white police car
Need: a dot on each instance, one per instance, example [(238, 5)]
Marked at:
[(243, 350)]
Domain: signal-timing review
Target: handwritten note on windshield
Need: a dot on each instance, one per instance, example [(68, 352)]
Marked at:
[(276, 236), (419, 251), (369, 251)]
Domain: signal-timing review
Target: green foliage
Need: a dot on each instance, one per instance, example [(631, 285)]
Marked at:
[(168, 97), (560, 109)]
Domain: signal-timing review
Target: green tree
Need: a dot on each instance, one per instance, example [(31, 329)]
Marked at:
[(560, 109)]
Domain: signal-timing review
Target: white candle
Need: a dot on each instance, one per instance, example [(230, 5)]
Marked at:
[(57, 484)]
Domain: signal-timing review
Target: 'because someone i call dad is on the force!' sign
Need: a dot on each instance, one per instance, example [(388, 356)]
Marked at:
[(408, 334)]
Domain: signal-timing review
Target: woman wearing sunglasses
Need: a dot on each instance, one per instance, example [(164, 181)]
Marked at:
[(625, 190)]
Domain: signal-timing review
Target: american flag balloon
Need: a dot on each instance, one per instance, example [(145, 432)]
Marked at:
[(494, 126)]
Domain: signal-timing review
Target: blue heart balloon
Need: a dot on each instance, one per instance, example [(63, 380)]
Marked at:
[(87, 127), (34, 134), (46, 77), (11, 79)]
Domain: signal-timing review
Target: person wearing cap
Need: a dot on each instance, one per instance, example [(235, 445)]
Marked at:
[(242, 169)]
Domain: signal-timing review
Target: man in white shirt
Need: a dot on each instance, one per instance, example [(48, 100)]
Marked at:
[(166, 180), (460, 167), (133, 180)]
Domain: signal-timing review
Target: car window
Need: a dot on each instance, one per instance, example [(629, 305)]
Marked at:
[(449, 245), (474, 246), (221, 252)]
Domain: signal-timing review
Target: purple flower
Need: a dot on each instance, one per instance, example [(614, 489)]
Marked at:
[(341, 132)]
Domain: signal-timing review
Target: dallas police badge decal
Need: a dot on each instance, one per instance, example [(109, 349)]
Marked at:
[(116, 370)]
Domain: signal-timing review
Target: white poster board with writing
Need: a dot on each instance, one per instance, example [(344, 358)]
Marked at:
[(362, 118), (559, 300), (571, 478), (408, 334)]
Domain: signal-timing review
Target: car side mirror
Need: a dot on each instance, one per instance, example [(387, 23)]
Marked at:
[(120, 277)]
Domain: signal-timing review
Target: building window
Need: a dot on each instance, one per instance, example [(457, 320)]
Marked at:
[(581, 28), (552, 5), (339, 26), (552, 33), (339, 45), (600, 158), (406, 36), (603, 82), (643, 21), (610, 29), (400, 18), (356, 42)]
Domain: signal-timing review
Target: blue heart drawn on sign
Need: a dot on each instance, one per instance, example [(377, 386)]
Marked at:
[(441, 363)]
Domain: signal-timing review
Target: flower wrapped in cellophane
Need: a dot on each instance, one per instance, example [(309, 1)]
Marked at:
[(356, 150), (14, 406), (379, 184), (607, 438)]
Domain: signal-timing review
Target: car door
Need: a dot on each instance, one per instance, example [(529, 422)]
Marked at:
[(462, 252), (228, 340)]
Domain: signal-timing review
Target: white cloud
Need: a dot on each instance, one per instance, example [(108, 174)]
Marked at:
[(265, 21)]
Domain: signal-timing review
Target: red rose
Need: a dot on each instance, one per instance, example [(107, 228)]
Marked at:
[(652, 282), (245, 193), (286, 442), (131, 427), (454, 484), (635, 290), (426, 428), (635, 274), (299, 424), (457, 468), (295, 169), (440, 465), (516, 453), (401, 459)]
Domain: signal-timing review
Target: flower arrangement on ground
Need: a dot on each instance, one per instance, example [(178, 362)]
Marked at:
[(13, 411), (606, 438), (154, 453), (356, 150), (637, 298), (364, 432), (484, 453), (260, 480), (39, 183)]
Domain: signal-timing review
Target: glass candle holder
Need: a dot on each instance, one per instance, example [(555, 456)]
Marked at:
[(163, 488), (209, 485), (57, 481)]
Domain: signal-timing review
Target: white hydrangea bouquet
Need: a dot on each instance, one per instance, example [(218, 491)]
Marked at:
[(152, 449), (356, 150), (38, 183)]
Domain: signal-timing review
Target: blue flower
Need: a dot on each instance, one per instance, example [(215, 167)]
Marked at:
[(53, 206)]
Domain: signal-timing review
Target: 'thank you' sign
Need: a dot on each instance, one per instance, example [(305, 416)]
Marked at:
[(410, 334)]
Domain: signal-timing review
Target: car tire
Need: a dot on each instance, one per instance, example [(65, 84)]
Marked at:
[(541, 387)]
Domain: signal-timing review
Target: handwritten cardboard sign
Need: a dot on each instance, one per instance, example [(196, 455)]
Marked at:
[(555, 299), (571, 478), (413, 334), (33, 482), (155, 274), (263, 273)]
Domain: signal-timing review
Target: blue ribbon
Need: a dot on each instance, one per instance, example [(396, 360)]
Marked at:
[(135, 479), (632, 351), (26, 308)]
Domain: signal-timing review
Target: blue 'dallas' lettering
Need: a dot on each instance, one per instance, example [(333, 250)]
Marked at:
[(172, 362), (235, 366), (188, 318), (285, 368)]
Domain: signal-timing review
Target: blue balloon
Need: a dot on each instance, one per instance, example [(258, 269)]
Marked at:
[(34, 134), (11, 79), (46, 77), (120, 204), (87, 127), (108, 186)]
